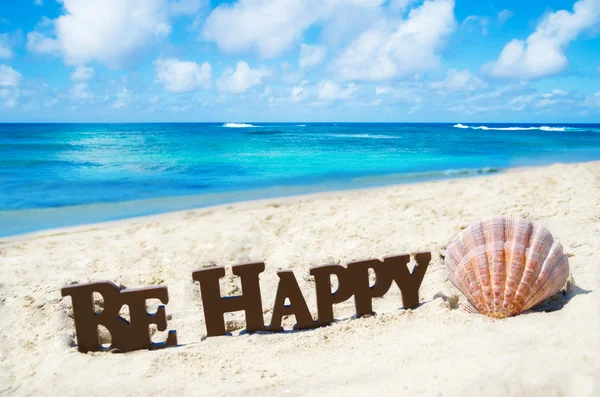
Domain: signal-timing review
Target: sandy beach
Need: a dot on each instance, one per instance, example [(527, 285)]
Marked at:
[(435, 349)]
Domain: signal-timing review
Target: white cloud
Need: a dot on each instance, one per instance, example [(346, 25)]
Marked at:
[(505, 15), (241, 79), (185, 7), (311, 55), (343, 20), (326, 90), (476, 20), (401, 5), (9, 77), (542, 54), (300, 92), (554, 93), (39, 2), (40, 44), (82, 73), (290, 75), (267, 26), (10, 80), (79, 92), (521, 97), (593, 101), (50, 102), (399, 48), (271, 27), (8, 97), (5, 46), (405, 93), (123, 98), (83, 34), (329, 90), (519, 103), (459, 80), (182, 76)]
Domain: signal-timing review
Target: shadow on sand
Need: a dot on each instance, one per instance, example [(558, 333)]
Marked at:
[(560, 299)]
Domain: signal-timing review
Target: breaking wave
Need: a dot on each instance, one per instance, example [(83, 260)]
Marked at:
[(238, 125), (542, 128), (367, 136), (471, 171), (429, 175)]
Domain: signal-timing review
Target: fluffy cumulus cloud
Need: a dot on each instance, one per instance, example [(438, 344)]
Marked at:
[(267, 26), (270, 27), (10, 80), (80, 93), (82, 73), (38, 43), (328, 91), (459, 80), (311, 55), (398, 48), (5, 46), (241, 79), (182, 76), (9, 77), (82, 34), (543, 53), (401, 5)]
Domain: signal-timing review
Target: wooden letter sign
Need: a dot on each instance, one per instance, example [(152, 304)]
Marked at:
[(126, 335), (353, 280)]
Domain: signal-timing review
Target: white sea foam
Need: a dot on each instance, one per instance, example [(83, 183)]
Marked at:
[(470, 171), (542, 128), (428, 175), (367, 136), (238, 125)]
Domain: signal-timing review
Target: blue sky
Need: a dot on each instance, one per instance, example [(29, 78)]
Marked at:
[(300, 60)]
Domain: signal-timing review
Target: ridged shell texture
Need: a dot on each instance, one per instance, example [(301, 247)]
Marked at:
[(506, 265)]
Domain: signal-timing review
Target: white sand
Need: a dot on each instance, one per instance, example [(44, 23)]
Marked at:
[(431, 350)]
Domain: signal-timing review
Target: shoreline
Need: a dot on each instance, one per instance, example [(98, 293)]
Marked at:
[(384, 354), (115, 212)]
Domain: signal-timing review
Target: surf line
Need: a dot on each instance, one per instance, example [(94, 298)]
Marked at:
[(134, 334)]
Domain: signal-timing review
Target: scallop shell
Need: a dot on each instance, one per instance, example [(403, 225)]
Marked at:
[(506, 265)]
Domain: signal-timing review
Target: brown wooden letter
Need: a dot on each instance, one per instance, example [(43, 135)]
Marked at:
[(325, 298), (288, 289), (125, 336), (363, 291), (215, 305), (409, 283), (141, 319)]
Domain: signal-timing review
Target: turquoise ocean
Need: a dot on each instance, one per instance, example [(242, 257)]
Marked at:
[(56, 175)]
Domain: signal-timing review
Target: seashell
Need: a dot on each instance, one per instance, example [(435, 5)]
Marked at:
[(506, 265)]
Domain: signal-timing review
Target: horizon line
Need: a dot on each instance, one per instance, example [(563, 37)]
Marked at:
[(292, 122)]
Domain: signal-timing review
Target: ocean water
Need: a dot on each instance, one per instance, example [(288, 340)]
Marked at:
[(54, 175)]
